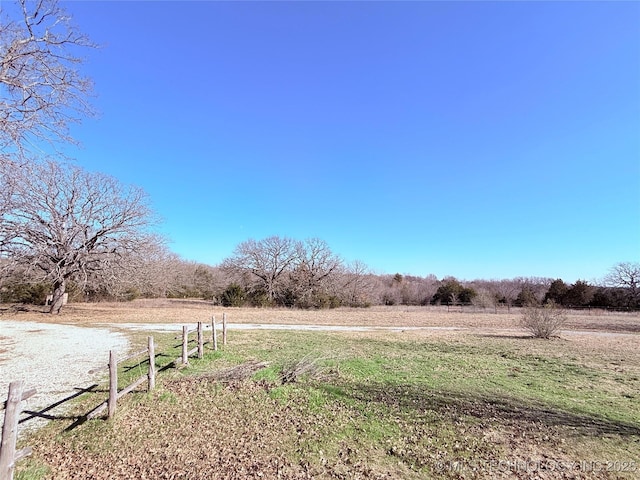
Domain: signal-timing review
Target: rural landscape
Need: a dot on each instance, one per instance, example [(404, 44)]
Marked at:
[(318, 135)]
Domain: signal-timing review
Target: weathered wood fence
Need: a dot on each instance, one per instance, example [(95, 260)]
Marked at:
[(13, 405), (114, 394), (215, 333), (184, 358), (12, 408)]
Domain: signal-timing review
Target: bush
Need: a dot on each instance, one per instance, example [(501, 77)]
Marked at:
[(319, 301), (451, 291), (131, 294), (543, 322), (30, 293), (233, 296), (259, 298)]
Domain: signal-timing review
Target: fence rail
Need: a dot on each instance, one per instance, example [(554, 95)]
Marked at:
[(12, 406), (111, 403)]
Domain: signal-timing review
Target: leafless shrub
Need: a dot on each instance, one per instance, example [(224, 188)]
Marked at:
[(309, 366), (239, 372), (543, 322)]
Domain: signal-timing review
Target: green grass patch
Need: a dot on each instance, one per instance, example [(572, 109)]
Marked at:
[(332, 405), (32, 470)]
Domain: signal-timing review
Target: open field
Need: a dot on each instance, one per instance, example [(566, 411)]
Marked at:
[(483, 401), (191, 311)]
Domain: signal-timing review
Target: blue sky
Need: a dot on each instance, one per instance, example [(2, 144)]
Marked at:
[(473, 139)]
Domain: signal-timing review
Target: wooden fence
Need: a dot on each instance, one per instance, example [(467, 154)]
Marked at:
[(114, 394), (8, 454), (184, 358), (13, 406)]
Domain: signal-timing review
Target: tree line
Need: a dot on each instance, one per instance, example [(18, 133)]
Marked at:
[(283, 272)]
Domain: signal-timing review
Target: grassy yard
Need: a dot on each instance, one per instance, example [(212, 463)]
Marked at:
[(411, 405)]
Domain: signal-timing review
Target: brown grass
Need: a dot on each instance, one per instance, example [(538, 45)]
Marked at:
[(244, 430), (176, 311)]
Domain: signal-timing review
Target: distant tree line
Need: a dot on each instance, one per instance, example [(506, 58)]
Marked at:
[(283, 272)]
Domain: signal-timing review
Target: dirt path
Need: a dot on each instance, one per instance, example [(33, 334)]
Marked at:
[(177, 327), (55, 359)]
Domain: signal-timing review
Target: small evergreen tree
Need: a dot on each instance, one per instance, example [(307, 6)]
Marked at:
[(233, 296), (527, 297), (557, 292), (579, 294), (452, 291)]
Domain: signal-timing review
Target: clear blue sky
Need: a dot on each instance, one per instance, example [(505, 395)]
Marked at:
[(473, 139)]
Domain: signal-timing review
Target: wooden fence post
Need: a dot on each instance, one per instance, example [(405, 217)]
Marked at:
[(152, 364), (224, 328), (10, 430), (215, 334), (113, 384), (185, 345), (200, 341)]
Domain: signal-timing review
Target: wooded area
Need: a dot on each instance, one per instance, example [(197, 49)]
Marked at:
[(305, 283)]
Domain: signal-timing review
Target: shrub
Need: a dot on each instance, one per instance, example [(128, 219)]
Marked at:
[(543, 322), (131, 294), (30, 293), (259, 298), (233, 296), (451, 291)]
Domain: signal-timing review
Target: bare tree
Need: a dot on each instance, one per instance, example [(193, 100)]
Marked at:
[(484, 298), (507, 291), (315, 264), (41, 90), (192, 279), (626, 275), (266, 260), (143, 272), (68, 223), (152, 271), (391, 289), (357, 285), (406, 289), (7, 190)]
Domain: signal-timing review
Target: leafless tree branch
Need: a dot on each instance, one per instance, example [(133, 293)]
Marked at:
[(41, 89)]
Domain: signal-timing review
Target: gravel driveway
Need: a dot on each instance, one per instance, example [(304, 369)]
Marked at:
[(54, 359)]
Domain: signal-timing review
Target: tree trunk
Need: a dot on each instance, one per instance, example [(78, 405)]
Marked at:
[(59, 288)]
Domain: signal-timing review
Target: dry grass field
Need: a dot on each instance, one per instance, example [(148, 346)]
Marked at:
[(479, 400), (190, 311)]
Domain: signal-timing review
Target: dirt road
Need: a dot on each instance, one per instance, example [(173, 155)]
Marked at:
[(55, 359)]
